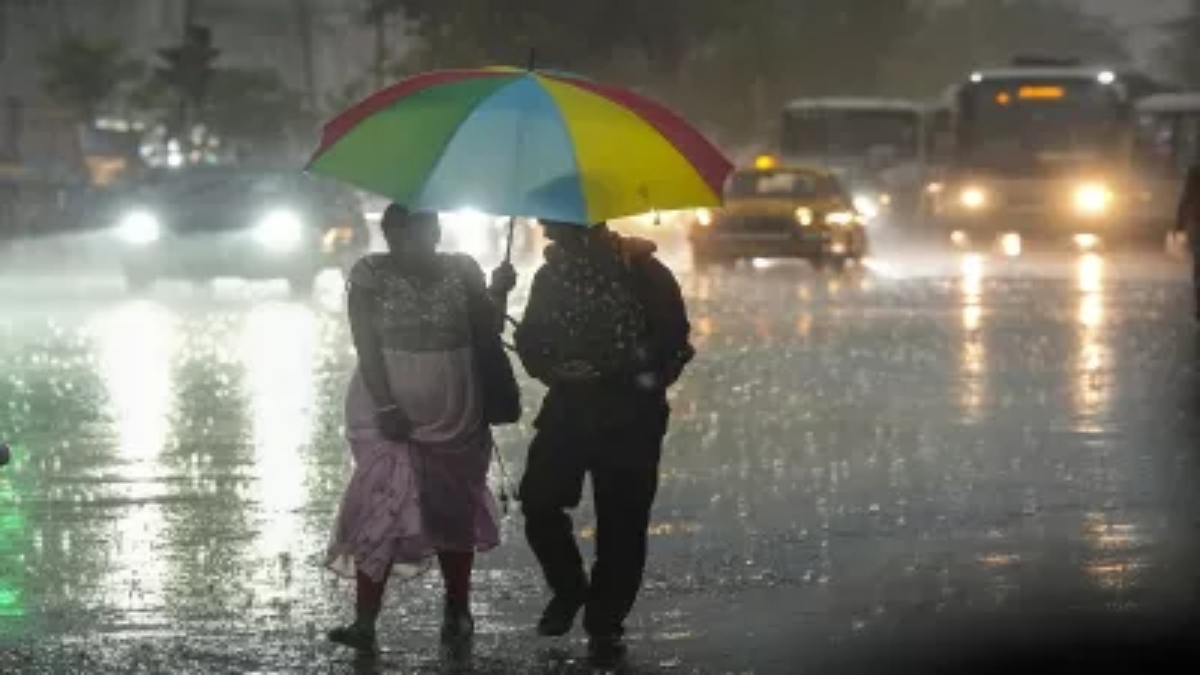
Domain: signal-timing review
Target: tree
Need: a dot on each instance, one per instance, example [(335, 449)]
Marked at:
[(731, 63), (188, 67), (781, 49), (255, 113), (953, 39), (1182, 54), (248, 112), (578, 36), (303, 12), (82, 76), (360, 88)]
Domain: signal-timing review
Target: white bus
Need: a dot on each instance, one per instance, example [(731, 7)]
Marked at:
[(1042, 152), (875, 145)]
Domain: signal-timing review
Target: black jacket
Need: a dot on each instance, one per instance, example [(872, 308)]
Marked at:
[(615, 398)]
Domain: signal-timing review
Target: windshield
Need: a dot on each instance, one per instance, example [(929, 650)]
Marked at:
[(853, 133), (781, 184), (1025, 126), (205, 181)]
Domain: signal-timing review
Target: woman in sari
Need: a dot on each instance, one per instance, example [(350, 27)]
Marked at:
[(415, 424)]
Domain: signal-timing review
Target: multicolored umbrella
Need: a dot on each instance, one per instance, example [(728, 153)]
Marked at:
[(521, 143)]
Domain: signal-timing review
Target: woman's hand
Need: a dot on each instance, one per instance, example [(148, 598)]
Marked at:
[(393, 424)]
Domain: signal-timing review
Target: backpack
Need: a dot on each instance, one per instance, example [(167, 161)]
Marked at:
[(598, 314)]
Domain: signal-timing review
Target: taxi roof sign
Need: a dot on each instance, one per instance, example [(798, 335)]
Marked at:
[(764, 162)]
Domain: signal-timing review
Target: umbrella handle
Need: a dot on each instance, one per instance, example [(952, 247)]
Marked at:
[(512, 226)]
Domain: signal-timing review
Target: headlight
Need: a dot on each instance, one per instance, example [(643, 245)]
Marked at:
[(867, 206), (342, 235), (1093, 199), (804, 216), (841, 218), (973, 198), (139, 228), (280, 230)]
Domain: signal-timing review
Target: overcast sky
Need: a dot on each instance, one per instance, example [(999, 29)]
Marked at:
[(1140, 16)]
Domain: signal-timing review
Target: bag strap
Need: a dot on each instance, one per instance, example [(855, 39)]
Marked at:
[(461, 266)]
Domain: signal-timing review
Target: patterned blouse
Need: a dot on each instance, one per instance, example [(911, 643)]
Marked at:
[(414, 313)]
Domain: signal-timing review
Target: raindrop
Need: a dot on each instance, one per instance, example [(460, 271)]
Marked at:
[(1030, 506)]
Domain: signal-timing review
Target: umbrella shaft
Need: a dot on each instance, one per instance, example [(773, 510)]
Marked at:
[(512, 226)]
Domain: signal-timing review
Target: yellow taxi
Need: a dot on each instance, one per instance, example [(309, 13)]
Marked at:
[(774, 210)]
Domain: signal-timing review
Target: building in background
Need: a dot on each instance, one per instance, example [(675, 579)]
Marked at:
[(319, 47)]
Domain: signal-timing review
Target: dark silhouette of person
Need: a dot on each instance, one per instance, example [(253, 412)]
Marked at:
[(1188, 221), (607, 331)]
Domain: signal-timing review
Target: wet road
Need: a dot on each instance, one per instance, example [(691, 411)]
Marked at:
[(853, 457)]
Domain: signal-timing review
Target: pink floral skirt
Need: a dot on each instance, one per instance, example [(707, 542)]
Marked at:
[(407, 501)]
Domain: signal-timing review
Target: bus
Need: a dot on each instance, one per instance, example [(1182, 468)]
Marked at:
[(875, 146), (1166, 144), (1041, 151), (937, 132)]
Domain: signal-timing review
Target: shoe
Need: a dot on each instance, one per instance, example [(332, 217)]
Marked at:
[(357, 635), (457, 622), (606, 651), (559, 617)]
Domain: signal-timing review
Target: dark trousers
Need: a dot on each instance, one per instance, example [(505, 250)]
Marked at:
[(623, 463)]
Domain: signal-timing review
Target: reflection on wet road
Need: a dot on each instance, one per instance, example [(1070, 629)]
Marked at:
[(850, 454)]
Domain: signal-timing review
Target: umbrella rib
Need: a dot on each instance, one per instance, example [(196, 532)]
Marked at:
[(711, 163), (450, 139), (337, 128), (566, 127)]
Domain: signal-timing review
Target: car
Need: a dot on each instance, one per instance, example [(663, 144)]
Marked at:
[(208, 222), (781, 211)]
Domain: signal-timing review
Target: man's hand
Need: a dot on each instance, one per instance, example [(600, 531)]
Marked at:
[(575, 371), (648, 381), (393, 424), (504, 279)]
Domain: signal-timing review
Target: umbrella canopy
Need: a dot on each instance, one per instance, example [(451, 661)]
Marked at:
[(514, 142)]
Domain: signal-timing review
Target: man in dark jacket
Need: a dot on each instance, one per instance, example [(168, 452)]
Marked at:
[(1188, 222), (607, 331)]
